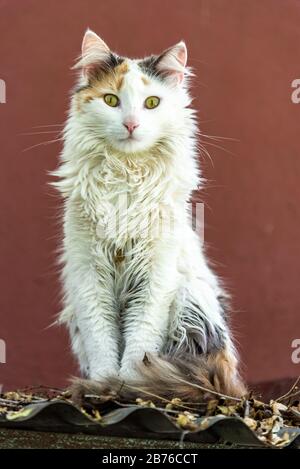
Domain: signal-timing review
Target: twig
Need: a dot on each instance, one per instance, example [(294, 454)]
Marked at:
[(183, 403), (288, 394), (22, 402), (156, 396), (247, 408), (41, 387), (9, 404), (293, 395), (93, 396), (9, 401), (170, 411), (225, 396)]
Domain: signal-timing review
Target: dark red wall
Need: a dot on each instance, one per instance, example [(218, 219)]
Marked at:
[(245, 55)]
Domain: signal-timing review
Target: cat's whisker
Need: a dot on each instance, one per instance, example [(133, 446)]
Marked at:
[(218, 137), (204, 151), (41, 133), (220, 148), (47, 125), (49, 142)]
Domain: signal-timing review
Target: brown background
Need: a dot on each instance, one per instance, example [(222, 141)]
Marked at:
[(245, 55)]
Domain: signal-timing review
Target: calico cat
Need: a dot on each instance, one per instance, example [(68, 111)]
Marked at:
[(140, 301)]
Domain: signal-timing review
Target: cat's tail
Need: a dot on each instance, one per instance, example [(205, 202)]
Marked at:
[(191, 379)]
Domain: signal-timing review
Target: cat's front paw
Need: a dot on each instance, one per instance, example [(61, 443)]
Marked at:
[(103, 373), (129, 373)]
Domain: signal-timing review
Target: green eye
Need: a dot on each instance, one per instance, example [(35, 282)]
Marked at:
[(111, 100), (152, 102)]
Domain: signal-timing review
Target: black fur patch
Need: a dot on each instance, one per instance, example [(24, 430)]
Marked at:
[(149, 65), (201, 340), (114, 60)]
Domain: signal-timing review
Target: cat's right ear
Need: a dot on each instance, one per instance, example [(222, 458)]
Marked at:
[(172, 63), (95, 54)]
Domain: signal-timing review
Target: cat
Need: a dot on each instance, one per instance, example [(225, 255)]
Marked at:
[(141, 303)]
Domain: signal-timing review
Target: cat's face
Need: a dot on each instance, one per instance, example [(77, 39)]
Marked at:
[(130, 105)]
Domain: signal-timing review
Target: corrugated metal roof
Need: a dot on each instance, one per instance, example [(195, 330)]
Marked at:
[(135, 421)]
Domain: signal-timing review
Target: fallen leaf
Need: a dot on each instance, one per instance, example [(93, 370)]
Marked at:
[(251, 423), (14, 415)]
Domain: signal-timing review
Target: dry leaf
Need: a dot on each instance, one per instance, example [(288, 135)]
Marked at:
[(212, 406), (277, 407), (280, 440), (19, 413), (186, 420), (251, 423), (174, 403), (143, 403), (227, 410), (97, 415)]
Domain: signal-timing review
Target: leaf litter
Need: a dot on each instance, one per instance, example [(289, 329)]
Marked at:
[(273, 423)]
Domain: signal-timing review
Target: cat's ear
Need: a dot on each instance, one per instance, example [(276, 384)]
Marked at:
[(172, 63), (95, 54)]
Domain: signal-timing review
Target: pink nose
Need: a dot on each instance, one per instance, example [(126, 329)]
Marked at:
[(130, 126)]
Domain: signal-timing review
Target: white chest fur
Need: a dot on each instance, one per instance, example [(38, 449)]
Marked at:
[(129, 199)]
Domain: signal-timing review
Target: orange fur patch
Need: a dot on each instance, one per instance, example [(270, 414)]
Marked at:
[(145, 80), (111, 81), (224, 374)]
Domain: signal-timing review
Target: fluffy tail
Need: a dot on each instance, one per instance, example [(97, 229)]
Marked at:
[(195, 379)]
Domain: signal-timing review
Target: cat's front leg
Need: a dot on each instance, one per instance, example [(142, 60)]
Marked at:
[(94, 329), (146, 318), (100, 337), (147, 336)]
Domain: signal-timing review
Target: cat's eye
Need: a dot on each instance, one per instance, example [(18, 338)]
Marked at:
[(111, 100), (152, 102)]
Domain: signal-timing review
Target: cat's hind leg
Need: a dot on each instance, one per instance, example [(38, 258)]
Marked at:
[(199, 331)]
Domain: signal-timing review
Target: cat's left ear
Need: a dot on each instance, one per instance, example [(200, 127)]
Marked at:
[(172, 63), (95, 54)]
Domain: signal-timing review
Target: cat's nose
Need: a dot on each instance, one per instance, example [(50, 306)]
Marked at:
[(130, 126)]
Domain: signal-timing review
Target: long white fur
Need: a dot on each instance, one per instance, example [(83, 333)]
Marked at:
[(118, 311)]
